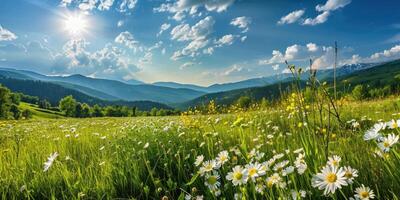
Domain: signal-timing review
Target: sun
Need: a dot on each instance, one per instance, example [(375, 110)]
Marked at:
[(75, 24)]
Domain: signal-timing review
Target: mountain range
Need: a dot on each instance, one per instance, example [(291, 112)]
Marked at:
[(168, 93)]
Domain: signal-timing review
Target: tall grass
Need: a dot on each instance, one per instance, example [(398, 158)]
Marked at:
[(153, 158)]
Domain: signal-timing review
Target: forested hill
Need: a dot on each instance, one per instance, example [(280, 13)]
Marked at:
[(54, 93)]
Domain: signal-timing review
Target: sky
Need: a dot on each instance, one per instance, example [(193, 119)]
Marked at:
[(193, 41)]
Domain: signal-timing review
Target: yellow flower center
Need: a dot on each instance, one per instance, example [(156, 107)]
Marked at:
[(212, 180), (208, 167), (364, 194), (348, 174), (252, 171), (238, 175), (386, 144), (331, 177), (222, 158), (335, 163)]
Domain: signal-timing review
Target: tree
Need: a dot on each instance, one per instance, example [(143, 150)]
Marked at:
[(68, 106), (5, 102), (97, 111), (16, 113), (134, 110), (85, 110), (359, 92), (78, 110), (27, 114), (244, 102), (44, 104), (153, 112)]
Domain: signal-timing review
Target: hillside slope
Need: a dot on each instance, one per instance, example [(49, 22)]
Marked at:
[(54, 93), (375, 76)]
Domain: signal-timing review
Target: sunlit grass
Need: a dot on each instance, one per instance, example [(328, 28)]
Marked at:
[(152, 158)]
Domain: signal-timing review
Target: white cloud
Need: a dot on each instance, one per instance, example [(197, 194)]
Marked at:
[(389, 54), (225, 40), (127, 39), (291, 17), (209, 50), (275, 67), (243, 38), (234, 70), (127, 5), (191, 6), (87, 5), (186, 65), (163, 28), (6, 35), (242, 22), (312, 47), (197, 35), (320, 19), (105, 4), (332, 5), (120, 23)]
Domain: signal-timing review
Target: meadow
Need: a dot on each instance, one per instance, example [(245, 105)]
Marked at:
[(264, 153)]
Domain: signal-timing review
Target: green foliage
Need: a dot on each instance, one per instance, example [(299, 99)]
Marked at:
[(68, 105), (359, 92), (244, 102)]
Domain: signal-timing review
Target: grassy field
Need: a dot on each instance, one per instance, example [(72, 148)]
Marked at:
[(264, 154), (39, 113)]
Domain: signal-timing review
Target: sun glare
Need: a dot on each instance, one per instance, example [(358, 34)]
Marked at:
[(75, 24)]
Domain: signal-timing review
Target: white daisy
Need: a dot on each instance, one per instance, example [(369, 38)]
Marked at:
[(288, 170), (388, 142), (222, 158), (330, 179), (199, 160), (279, 166), (212, 181), (50, 161), (207, 166), (364, 193), (393, 124), (350, 174), (238, 176), (373, 133), (273, 180), (334, 160), (254, 171)]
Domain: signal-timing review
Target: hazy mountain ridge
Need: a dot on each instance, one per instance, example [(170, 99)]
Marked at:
[(376, 75), (110, 89)]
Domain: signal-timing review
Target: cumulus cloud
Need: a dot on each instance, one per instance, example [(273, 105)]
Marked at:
[(105, 4), (312, 47), (389, 54), (320, 19), (186, 65), (120, 23), (180, 7), (6, 35), (108, 62), (291, 17), (127, 5), (242, 22), (225, 40), (324, 11), (127, 39), (332, 5), (197, 35), (123, 6), (163, 28)]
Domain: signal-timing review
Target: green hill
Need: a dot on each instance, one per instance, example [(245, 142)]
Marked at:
[(54, 93), (377, 76)]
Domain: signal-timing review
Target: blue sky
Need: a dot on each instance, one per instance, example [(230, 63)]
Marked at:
[(193, 41)]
